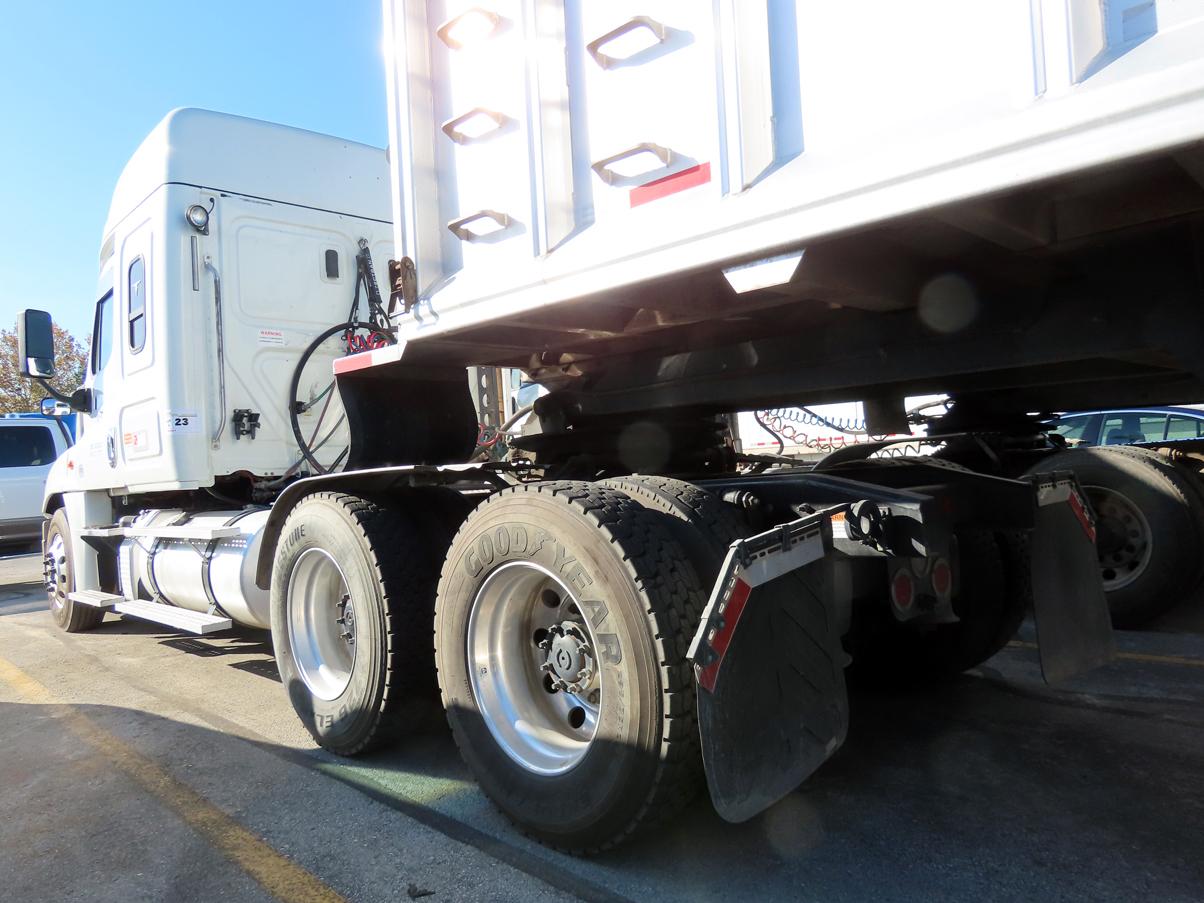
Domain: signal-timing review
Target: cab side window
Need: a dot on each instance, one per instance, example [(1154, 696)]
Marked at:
[(136, 332), (102, 333)]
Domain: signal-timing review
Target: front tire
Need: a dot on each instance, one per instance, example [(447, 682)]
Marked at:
[(59, 567), (351, 607), (564, 614)]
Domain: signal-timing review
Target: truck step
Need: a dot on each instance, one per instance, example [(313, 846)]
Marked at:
[(183, 531), (95, 598), (180, 618)]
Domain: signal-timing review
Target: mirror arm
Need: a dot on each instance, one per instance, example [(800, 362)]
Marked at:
[(79, 400)]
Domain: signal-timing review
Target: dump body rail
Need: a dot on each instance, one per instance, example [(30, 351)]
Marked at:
[(547, 151)]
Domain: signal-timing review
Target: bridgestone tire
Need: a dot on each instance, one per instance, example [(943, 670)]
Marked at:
[(641, 602), (990, 597), (1168, 501), (71, 616), (390, 576)]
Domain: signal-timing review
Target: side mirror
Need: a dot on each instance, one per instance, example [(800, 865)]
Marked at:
[(35, 344), (54, 408), (35, 359)]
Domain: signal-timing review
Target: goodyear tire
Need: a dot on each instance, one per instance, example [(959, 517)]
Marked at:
[(351, 603), (1147, 524), (706, 525), (562, 622), (60, 579)]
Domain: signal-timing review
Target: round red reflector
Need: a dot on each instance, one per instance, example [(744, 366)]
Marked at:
[(902, 590), (942, 577)]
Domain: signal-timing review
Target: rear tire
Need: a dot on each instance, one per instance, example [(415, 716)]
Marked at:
[(59, 562), (578, 771), (1148, 527), (708, 525), (343, 555), (990, 599)]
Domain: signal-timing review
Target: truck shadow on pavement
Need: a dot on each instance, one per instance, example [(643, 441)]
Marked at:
[(966, 791), (971, 791), (258, 645), (987, 787)]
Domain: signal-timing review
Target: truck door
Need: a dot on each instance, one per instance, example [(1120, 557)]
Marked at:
[(139, 419), (97, 443)]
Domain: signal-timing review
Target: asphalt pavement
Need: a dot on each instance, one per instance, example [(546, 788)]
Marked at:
[(140, 764)]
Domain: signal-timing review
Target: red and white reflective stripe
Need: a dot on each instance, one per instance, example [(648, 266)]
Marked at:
[(723, 636), (679, 181), (1076, 505), (365, 359)]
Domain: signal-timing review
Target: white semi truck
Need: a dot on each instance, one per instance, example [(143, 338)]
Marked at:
[(662, 213)]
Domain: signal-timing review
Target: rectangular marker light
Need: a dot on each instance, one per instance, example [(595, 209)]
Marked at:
[(749, 277)]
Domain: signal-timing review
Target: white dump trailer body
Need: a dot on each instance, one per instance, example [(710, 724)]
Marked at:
[(548, 151)]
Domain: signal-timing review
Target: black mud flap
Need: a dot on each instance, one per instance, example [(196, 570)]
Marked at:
[(772, 704), (1074, 630)]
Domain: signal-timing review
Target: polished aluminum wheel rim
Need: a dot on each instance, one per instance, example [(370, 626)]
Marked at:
[(534, 668), (1124, 545), (321, 624), (55, 571)]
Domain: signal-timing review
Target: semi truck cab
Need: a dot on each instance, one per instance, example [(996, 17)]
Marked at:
[(223, 255)]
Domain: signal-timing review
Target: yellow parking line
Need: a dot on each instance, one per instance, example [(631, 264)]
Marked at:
[(1135, 656), (278, 875)]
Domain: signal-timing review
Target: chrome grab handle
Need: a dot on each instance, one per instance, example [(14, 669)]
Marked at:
[(610, 177), (221, 351), (458, 227), (451, 128), (594, 47)]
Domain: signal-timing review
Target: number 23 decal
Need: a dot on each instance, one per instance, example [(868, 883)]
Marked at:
[(183, 422)]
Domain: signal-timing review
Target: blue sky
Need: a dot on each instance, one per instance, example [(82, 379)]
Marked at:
[(83, 82)]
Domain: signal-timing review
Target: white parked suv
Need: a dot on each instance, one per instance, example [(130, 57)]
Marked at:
[(28, 446)]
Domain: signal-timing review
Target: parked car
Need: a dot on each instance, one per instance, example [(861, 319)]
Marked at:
[(1130, 426), (28, 446)]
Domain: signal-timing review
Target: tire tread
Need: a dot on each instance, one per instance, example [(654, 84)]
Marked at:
[(656, 566), (408, 594)]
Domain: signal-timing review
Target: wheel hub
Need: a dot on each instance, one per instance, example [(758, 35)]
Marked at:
[(346, 619), (321, 623), (54, 570), (569, 662), (534, 672), (1123, 539), (49, 573)]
